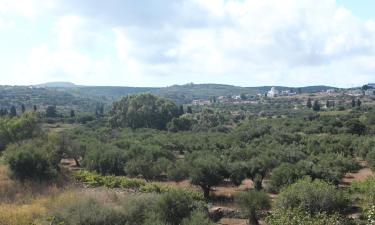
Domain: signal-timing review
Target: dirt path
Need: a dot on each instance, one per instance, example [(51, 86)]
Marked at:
[(360, 175)]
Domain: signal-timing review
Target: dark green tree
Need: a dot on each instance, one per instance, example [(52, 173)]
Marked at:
[(143, 111), (72, 113), (51, 111), (13, 111), (174, 206), (206, 172), (23, 108), (309, 103), (316, 106)]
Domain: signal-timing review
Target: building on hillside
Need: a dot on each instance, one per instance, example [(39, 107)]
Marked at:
[(355, 92), (370, 92), (201, 102), (273, 93), (331, 91)]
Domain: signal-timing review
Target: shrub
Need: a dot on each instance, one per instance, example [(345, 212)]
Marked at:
[(251, 203), (106, 159), (87, 212), (137, 208), (312, 196), (198, 217), (300, 217), (174, 206), (29, 162), (370, 158)]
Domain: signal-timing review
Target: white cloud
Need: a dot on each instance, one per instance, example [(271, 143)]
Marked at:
[(247, 42), (26, 8)]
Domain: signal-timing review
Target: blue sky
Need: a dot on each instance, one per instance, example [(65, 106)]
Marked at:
[(166, 42)]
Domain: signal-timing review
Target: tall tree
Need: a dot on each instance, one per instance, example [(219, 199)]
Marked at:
[(353, 103), (51, 111), (316, 106), (251, 202), (143, 111), (23, 108), (309, 104), (359, 103), (72, 113), (13, 111)]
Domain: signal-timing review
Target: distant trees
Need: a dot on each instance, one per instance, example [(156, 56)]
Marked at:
[(51, 111), (143, 111)]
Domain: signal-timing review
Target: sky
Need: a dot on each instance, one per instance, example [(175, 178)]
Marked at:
[(165, 42)]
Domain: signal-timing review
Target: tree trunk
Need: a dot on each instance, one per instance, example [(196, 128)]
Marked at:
[(77, 162), (253, 220), (206, 193)]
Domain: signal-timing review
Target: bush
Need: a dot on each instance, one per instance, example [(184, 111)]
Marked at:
[(106, 159), (251, 203), (282, 176), (370, 158), (300, 217), (137, 208), (174, 206), (30, 162), (198, 217), (87, 212), (312, 196)]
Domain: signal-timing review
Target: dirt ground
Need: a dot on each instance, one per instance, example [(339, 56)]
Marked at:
[(360, 175)]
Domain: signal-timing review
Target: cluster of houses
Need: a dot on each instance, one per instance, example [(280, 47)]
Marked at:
[(366, 90), (273, 93)]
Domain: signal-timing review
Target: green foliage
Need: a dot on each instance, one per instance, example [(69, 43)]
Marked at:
[(206, 171), (51, 111), (312, 196), (299, 217), (197, 217), (17, 128), (251, 202), (364, 191), (182, 123), (354, 126), (370, 158), (88, 212), (96, 180), (31, 162), (174, 206), (106, 159), (143, 111)]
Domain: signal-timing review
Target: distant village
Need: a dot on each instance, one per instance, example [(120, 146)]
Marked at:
[(366, 90)]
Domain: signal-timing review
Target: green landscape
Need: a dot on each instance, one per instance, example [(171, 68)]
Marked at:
[(189, 154)]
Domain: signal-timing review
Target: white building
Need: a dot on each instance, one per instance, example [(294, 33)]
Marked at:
[(370, 92), (273, 93)]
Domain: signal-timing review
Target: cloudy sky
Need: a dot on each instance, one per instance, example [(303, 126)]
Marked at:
[(166, 42)]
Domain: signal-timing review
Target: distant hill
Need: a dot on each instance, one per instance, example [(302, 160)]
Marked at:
[(56, 85), (68, 94), (188, 92)]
